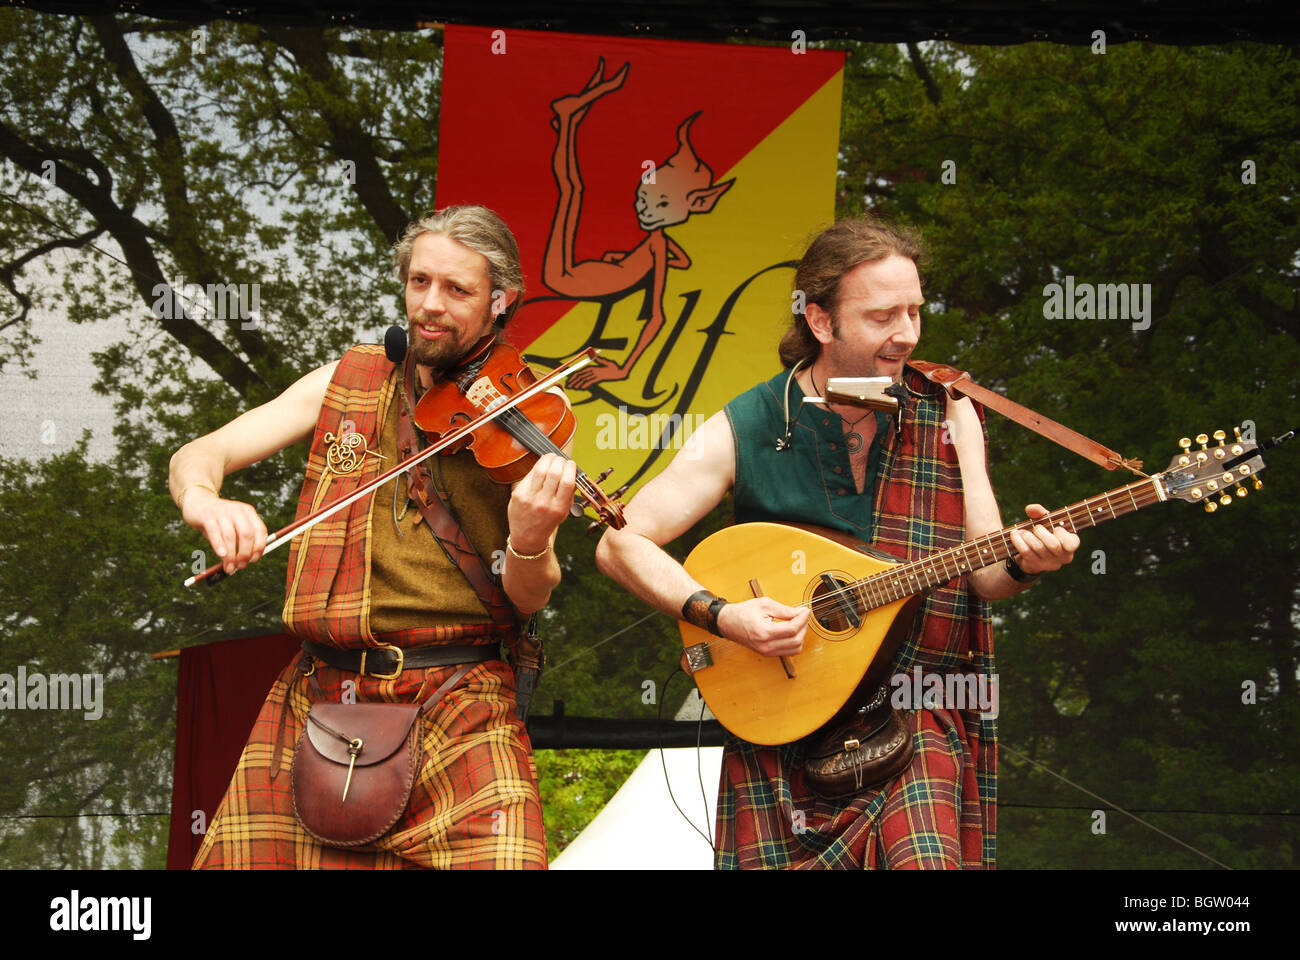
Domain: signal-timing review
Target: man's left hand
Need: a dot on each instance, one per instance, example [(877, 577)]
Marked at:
[(1041, 548), (540, 502)]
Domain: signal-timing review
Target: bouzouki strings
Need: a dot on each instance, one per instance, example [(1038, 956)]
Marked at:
[(908, 578)]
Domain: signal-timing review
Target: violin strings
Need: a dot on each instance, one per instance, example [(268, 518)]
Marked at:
[(539, 443)]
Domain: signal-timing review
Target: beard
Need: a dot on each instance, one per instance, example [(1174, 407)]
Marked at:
[(442, 354)]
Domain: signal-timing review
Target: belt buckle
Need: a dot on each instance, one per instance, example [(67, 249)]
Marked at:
[(401, 660)]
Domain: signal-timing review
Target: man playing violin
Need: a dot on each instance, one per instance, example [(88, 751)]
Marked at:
[(395, 597), (911, 489)]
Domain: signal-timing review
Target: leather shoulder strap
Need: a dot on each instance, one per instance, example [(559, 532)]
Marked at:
[(957, 383)]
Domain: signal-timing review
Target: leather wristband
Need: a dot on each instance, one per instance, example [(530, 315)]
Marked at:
[(1018, 575), (701, 609)]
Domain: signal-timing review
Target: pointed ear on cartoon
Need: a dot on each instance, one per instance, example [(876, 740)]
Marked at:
[(682, 185)]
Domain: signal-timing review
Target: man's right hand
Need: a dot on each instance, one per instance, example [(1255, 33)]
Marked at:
[(765, 626), (234, 529)]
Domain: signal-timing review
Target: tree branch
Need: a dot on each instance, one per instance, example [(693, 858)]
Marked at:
[(131, 237), (348, 140), (183, 225), (923, 72)]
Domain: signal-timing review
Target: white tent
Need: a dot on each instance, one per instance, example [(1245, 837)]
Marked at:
[(640, 829)]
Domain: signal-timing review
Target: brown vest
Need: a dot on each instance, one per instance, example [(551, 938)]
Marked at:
[(337, 593)]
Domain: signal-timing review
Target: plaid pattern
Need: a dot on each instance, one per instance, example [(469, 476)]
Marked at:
[(327, 597), (941, 811), (475, 801)]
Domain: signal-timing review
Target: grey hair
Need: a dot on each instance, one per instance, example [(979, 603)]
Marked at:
[(478, 228)]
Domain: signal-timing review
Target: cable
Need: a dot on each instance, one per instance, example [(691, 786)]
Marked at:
[(659, 719), (551, 670), (699, 769), (1116, 806)]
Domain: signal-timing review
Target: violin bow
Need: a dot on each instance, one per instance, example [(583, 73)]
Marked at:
[(215, 573)]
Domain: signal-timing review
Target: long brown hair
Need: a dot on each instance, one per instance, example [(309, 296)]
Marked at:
[(833, 253), (480, 229)]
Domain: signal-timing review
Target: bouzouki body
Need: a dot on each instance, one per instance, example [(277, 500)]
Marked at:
[(753, 696)]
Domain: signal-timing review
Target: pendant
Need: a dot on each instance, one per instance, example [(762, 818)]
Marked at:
[(853, 440)]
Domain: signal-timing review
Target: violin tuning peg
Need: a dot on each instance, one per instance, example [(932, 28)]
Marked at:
[(618, 494), (593, 527), (576, 509), (605, 473)]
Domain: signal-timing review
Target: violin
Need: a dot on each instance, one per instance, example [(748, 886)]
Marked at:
[(503, 407), (507, 447)]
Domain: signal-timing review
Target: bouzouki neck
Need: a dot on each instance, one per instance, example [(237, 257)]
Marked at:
[(1203, 476)]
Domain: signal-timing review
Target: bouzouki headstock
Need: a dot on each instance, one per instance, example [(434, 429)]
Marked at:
[(1211, 475)]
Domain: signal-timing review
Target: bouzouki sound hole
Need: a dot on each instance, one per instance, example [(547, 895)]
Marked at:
[(836, 612)]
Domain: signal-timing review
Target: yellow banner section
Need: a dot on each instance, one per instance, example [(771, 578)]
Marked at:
[(723, 315)]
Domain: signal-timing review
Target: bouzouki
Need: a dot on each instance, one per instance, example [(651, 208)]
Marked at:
[(863, 602)]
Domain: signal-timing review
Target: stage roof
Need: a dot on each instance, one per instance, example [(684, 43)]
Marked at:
[(986, 22)]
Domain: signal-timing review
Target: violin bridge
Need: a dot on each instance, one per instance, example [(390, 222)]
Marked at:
[(698, 657), (483, 394)]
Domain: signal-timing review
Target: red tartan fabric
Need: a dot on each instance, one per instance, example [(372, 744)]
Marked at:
[(475, 802), (941, 811), (325, 596)]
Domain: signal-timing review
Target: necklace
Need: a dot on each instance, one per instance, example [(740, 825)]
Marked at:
[(853, 440)]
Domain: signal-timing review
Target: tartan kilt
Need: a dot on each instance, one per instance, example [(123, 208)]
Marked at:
[(474, 803), (769, 817)]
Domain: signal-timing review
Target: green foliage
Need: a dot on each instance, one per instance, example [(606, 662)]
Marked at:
[(1122, 168), (575, 785)]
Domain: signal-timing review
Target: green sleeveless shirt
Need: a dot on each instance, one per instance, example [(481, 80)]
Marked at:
[(812, 481)]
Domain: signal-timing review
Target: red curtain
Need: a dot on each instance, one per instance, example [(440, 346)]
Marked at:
[(219, 692)]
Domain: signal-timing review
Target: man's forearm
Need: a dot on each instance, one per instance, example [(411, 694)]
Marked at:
[(995, 583), (529, 582), (641, 566), (195, 464)]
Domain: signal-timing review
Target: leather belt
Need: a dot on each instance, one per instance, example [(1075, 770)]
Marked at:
[(386, 661)]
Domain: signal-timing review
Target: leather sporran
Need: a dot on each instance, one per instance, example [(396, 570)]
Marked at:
[(353, 770), (863, 753)]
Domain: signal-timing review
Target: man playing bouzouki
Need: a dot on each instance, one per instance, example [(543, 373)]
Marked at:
[(909, 490)]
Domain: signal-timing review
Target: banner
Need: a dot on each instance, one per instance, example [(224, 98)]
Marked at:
[(660, 193)]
